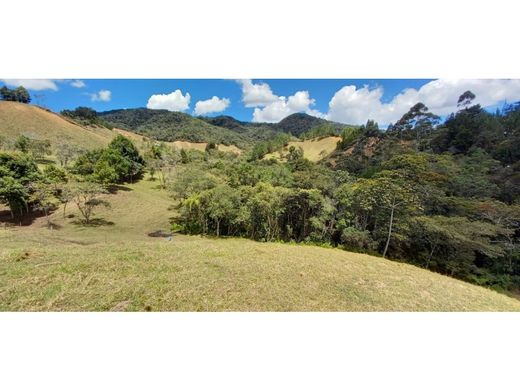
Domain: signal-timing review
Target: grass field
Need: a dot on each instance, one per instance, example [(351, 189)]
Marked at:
[(117, 266), (313, 149)]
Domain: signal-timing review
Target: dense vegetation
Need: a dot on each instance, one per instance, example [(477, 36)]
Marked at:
[(86, 116), (413, 193), (19, 94), (165, 125), (299, 123)]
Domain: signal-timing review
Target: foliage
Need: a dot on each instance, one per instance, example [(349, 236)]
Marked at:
[(87, 197), (117, 163), (17, 172), (86, 116), (19, 94)]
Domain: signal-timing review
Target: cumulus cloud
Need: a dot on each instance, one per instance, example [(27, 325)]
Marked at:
[(103, 95), (256, 95), (78, 84), (33, 84), (215, 104), (357, 105), (174, 101), (272, 108)]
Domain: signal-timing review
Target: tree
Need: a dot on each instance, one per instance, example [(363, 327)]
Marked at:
[(417, 120), (266, 207), (119, 162), (6, 93), (86, 195), (17, 172), (19, 94), (219, 205), (40, 148), (22, 95), (127, 150), (378, 202), (22, 143), (466, 99), (44, 197), (65, 153)]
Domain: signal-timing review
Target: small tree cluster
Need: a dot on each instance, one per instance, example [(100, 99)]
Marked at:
[(19, 94)]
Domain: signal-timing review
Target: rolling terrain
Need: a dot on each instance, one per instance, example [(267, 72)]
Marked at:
[(170, 126), (36, 123), (23, 119), (125, 263)]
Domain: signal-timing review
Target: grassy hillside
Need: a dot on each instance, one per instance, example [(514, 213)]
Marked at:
[(313, 149), (18, 118), (118, 266), (139, 139), (170, 126)]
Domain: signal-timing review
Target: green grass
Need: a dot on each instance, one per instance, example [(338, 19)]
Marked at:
[(117, 266)]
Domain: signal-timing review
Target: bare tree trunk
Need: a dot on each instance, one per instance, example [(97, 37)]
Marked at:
[(390, 227), (430, 256)]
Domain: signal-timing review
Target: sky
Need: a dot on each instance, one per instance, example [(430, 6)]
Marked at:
[(270, 100)]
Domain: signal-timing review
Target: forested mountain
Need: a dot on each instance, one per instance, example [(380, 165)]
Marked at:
[(166, 125), (299, 123)]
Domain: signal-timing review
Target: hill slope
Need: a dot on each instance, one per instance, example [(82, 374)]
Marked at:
[(117, 266), (313, 149), (170, 126), (34, 122)]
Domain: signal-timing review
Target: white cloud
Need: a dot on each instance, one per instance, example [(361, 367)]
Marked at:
[(256, 95), (103, 95), (78, 84), (33, 84), (272, 108), (215, 104), (283, 107), (174, 101), (357, 105)]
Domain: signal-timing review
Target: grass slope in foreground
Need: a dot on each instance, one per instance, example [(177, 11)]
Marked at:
[(117, 266)]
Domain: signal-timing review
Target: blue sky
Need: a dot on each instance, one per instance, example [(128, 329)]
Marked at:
[(343, 100)]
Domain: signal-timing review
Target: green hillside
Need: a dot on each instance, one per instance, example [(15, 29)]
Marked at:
[(170, 126), (118, 266)]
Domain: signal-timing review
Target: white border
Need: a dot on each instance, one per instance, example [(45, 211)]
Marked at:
[(258, 351), (267, 39)]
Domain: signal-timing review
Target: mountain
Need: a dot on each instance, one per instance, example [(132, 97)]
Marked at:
[(166, 125), (300, 123), (37, 123), (254, 132)]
